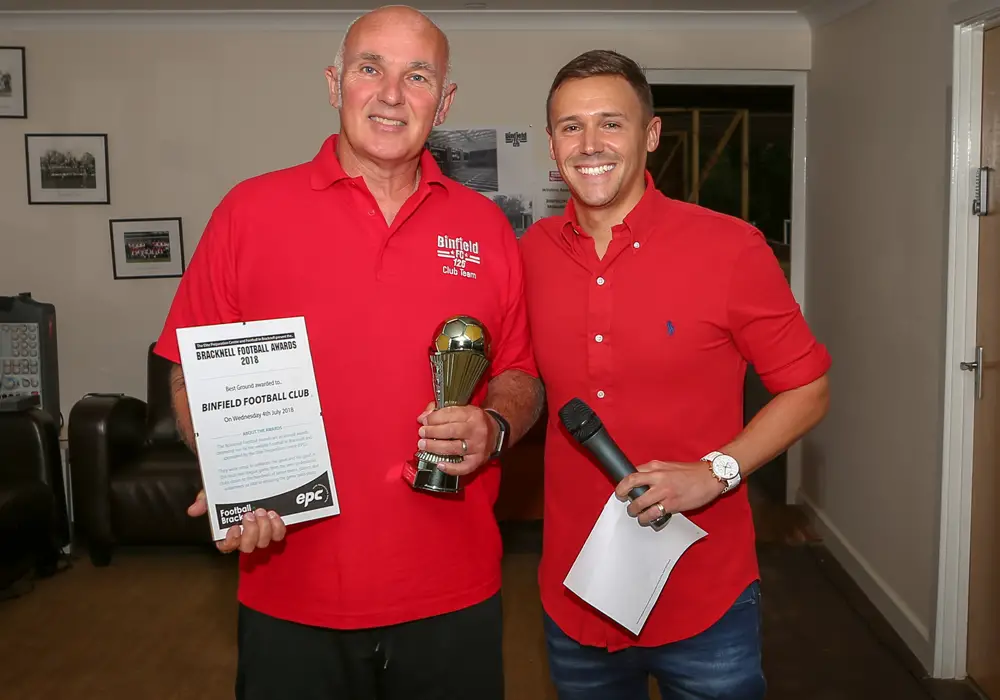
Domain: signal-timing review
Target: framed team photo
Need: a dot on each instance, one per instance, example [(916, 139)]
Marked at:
[(13, 83), (67, 168), (147, 248)]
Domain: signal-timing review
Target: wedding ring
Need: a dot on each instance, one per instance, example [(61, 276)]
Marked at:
[(663, 511), (465, 448)]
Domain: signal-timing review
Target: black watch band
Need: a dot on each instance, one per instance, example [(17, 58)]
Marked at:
[(503, 434)]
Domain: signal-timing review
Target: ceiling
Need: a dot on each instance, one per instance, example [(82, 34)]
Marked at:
[(800, 6)]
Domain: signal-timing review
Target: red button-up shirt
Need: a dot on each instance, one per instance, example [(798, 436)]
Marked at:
[(656, 338), (311, 241)]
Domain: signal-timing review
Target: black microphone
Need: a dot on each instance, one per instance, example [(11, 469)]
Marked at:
[(587, 429)]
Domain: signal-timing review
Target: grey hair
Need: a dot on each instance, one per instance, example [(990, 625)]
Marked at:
[(338, 61)]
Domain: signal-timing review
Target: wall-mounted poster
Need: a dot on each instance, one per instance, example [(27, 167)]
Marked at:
[(67, 168), (555, 193), (147, 248), (497, 162), (13, 83)]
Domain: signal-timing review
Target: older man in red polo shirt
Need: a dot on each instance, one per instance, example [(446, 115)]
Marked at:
[(398, 596), (649, 310)]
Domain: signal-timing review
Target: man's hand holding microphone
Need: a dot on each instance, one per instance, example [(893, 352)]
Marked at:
[(656, 489)]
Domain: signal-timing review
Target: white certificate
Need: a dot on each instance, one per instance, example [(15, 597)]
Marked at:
[(257, 421)]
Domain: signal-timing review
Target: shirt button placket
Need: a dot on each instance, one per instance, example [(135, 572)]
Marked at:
[(599, 359)]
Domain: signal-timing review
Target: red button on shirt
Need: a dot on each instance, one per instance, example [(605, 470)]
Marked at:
[(310, 241), (656, 337)]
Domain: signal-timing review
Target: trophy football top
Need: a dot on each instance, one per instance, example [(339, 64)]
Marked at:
[(462, 333)]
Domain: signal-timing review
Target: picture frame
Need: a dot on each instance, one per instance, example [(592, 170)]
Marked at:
[(67, 168), (147, 248), (13, 83)]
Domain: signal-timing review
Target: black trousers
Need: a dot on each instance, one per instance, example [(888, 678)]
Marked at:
[(457, 656)]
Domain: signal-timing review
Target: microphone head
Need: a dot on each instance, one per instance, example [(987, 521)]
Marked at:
[(579, 419)]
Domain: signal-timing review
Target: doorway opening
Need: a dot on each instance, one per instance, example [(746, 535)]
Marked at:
[(966, 641), (730, 148)]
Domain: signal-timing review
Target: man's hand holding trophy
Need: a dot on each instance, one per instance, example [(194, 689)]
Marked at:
[(454, 438)]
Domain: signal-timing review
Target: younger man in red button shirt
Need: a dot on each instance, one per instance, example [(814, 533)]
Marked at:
[(397, 597), (649, 310)]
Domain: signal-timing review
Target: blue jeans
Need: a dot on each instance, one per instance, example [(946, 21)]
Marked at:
[(721, 663)]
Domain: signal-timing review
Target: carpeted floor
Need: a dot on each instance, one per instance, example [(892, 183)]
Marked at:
[(160, 625)]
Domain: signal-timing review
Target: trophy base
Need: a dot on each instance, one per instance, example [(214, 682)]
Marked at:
[(422, 473)]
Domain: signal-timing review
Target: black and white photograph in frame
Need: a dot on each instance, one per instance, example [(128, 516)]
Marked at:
[(67, 168), (468, 156), (147, 248), (13, 83), (518, 209)]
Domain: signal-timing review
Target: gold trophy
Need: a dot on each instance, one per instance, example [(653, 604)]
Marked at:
[(459, 356)]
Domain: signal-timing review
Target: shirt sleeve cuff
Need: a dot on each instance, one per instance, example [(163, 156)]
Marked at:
[(803, 370)]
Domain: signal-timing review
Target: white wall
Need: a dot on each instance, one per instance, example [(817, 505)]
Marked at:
[(191, 112), (877, 208)]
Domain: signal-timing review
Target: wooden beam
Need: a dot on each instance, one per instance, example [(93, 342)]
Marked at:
[(679, 135), (703, 110), (667, 162), (676, 110), (719, 148), (695, 156), (745, 166), (687, 164)]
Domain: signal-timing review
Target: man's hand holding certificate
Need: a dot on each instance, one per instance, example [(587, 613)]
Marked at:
[(258, 426)]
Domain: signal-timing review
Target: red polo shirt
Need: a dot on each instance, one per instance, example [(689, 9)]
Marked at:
[(310, 240), (656, 337)]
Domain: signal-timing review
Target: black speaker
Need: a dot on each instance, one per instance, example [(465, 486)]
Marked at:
[(29, 354)]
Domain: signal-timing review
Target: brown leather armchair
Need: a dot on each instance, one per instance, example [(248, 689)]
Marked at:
[(33, 520), (133, 478)]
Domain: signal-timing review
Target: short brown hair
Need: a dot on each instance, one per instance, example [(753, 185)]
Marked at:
[(603, 62)]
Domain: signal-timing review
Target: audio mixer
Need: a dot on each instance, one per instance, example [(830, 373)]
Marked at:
[(28, 352)]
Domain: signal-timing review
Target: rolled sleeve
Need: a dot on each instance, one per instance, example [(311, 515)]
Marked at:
[(207, 293), (767, 324)]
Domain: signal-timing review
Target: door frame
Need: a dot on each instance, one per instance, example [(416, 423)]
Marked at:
[(798, 81), (971, 20)]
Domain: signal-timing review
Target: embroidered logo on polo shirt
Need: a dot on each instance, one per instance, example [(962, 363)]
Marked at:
[(670, 327), (460, 253)]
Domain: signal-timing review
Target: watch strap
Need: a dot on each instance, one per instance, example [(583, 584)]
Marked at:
[(502, 435)]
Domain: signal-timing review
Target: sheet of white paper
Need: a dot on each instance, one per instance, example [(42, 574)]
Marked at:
[(257, 420), (623, 566)]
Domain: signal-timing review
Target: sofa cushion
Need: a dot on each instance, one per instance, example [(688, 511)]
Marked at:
[(150, 497)]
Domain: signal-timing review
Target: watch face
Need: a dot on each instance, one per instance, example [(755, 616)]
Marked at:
[(725, 467)]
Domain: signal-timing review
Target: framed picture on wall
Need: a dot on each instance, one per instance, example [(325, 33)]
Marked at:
[(147, 248), (13, 83), (67, 168)]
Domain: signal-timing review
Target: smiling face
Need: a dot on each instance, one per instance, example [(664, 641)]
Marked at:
[(599, 136), (391, 90)]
